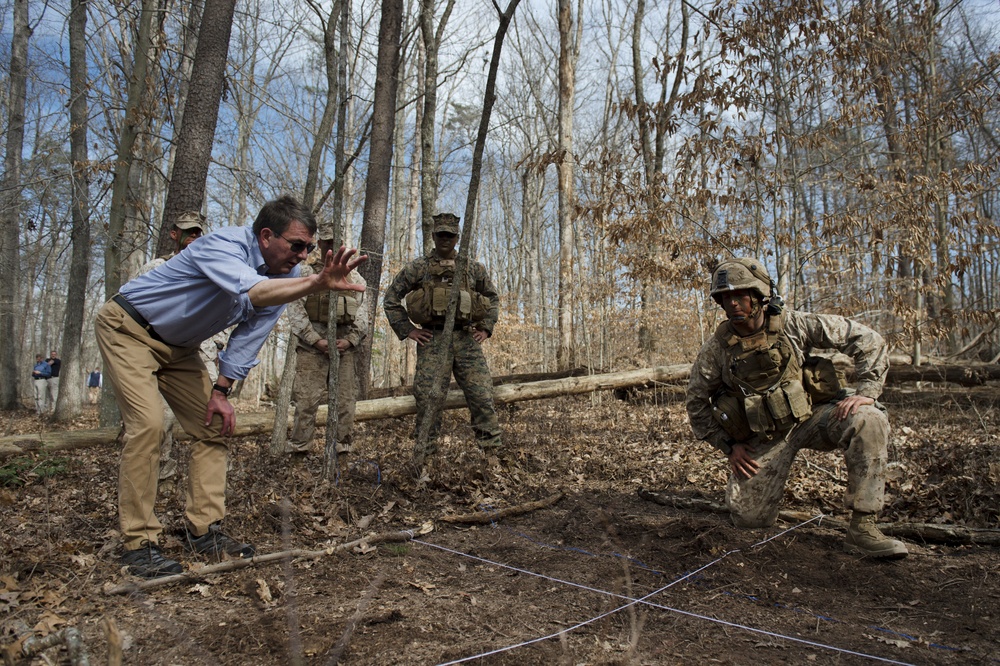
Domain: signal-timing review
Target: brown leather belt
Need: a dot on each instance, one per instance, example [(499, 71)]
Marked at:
[(138, 318)]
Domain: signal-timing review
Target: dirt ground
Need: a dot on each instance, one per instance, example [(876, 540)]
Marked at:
[(556, 585)]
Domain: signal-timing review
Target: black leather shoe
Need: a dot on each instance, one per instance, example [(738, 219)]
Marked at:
[(148, 561), (215, 542)]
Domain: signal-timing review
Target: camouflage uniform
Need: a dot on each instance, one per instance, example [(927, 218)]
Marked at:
[(468, 363), (862, 436), (312, 368)]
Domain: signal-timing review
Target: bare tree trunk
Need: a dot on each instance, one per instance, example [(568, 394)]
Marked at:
[(569, 42), (325, 128), (10, 196), (135, 110), (380, 164), (70, 400), (279, 435), (439, 386), (428, 155), (201, 113)]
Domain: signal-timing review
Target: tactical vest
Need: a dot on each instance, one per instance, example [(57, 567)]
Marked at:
[(763, 396), (318, 307), (428, 303)]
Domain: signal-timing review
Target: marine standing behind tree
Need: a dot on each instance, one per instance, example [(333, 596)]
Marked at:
[(308, 318), (759, 394), (425, 283)]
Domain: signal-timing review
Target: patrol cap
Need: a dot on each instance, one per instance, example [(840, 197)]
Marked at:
[(446, 222), (326, 232), (738, 273), (191, 219)]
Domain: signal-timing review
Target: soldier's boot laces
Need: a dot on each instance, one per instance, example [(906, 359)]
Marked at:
[(864, 538)]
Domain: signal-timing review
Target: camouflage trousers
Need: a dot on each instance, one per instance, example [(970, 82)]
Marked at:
[(311, 370), (473, 377), (863, 437)]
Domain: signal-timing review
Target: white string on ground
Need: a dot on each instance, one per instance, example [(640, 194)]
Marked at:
[(645, 600)]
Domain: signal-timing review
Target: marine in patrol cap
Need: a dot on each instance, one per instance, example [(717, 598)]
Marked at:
[(192, 219), (446, 222)]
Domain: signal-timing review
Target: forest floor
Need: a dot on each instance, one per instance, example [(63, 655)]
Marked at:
[(556, 585)]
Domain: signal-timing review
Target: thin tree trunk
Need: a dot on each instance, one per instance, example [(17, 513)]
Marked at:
[(10, 197), (70, 400), (380, 164), (429, 171), (201, 114), (568, 52), (438, 387)]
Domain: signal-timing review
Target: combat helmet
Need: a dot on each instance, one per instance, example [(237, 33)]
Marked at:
[(738, 273)]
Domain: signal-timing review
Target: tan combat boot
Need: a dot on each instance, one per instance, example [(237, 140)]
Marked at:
[(864, 538)]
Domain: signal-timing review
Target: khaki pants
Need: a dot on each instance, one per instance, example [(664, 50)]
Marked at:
[(140, 370), (311, 370), (41, 387), (864, 439), (53, 391)]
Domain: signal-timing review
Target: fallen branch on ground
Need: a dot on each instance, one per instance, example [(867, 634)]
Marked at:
[(295, 553), (484, 517), (951, 535), (338, 650), (69, 636)]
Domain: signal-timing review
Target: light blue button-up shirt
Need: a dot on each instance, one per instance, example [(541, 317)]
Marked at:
[(203, 290)]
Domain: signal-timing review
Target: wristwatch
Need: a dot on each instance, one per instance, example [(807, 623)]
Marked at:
[(224, 390)]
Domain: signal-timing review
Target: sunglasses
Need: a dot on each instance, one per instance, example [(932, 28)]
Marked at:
[(297, 246)]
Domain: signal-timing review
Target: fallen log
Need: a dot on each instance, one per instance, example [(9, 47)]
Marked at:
[(380, 408), (963, 375), (486, 517), (295, 553), (952, 535), (397, 391)]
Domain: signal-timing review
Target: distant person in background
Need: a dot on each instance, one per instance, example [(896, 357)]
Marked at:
[(94, 385), (53, 385), (40, 376)]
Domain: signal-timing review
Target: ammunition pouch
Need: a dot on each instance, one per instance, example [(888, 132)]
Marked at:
[(429, 303), (728, 411), (769, 414), (823, 380), (347, 310), (318, 307)]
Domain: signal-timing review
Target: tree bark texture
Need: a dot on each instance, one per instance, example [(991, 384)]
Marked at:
[(380, 165), (10, 199), (70, 400), (201, 113)]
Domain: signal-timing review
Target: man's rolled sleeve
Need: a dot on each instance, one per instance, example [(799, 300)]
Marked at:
[(240, 355)]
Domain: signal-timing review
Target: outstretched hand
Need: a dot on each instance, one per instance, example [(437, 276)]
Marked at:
[(336, 268)]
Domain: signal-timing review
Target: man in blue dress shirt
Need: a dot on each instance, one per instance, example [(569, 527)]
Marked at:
[(149, 334)]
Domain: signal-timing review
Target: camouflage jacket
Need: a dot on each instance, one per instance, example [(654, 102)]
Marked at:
[(308, 332), (806, 332), (412, 277)]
